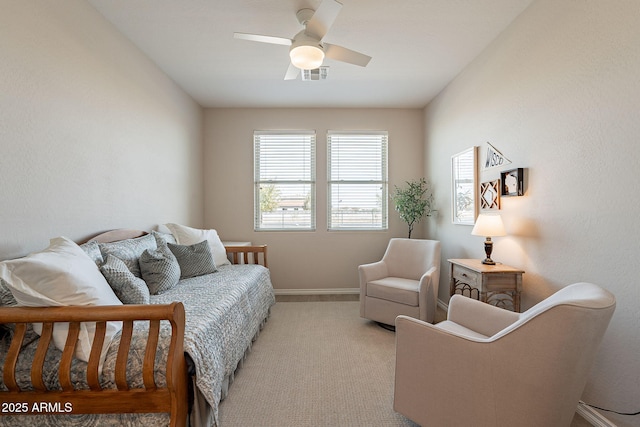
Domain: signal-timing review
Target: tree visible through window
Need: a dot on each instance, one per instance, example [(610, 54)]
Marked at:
[(284, 180), (357, 190)]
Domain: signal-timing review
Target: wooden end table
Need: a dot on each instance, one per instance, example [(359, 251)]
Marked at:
[(498, 284)]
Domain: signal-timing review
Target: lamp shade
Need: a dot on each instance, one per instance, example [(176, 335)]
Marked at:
[(489, 226), (306, 57)]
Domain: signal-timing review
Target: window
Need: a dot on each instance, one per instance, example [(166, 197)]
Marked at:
[(284, 180), (357, 174)]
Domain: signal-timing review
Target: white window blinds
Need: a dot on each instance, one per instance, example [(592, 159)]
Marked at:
[(357, 187), (284, 180)]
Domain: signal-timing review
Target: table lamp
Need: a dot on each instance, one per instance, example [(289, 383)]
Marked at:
[(488, 225)]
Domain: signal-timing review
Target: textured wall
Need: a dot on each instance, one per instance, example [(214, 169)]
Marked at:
[(303, 260), (558, 93), (93, 135)]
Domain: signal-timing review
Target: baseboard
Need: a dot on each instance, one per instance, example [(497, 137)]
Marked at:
[(335, 291), (592, 416), (324, 291)]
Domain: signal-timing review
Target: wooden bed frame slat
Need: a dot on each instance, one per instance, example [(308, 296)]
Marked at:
[(150, 355), (67, 356), (123, 355), (40, 356), (9, 372), (93, 377)]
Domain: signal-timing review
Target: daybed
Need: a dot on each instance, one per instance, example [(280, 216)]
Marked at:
[(170, 364)]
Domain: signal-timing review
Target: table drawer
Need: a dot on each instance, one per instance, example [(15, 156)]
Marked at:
[(470, 277), (503, 282)]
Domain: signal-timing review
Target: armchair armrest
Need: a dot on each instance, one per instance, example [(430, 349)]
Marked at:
[(429, 279), (432, 363), (374, 271), (478, 316), (428, 294)]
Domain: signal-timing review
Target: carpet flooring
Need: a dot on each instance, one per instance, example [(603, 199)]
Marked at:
[(316, 364)]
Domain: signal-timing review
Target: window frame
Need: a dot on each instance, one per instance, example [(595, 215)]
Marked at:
[(260, 137), (383, 224)]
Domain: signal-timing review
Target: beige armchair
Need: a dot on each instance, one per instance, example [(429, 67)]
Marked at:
[(405, 282), (485, 366)]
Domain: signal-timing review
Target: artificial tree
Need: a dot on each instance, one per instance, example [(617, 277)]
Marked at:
[(413, 202)]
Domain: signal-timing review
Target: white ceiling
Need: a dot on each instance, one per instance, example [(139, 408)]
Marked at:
[(418, 47)]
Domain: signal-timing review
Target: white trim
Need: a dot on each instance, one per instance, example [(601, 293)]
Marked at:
[(324, 291), (443, 305), (592, 416)]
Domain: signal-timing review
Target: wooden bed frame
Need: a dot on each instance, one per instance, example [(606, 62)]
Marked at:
[(172, 399)]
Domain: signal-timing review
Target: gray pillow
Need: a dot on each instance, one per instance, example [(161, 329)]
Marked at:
[(194, 260), (127, 287), (92, 249), (129, 251), (6, 297), (163, 238), (160, 269), (6, 300)]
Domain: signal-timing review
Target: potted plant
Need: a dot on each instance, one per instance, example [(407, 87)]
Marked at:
[(413, 202)]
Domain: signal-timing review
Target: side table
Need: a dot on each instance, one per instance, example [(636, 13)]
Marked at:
[(499, 284)]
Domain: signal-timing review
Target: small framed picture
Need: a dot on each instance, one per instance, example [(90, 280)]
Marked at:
[(512, 182), (490, 195)]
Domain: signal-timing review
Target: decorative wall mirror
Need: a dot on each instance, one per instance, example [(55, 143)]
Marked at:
[(464, 190)]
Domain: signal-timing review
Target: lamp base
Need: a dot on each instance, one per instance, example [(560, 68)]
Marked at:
[(488, 248)]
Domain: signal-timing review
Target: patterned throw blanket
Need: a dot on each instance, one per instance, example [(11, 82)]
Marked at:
[(224, 311)]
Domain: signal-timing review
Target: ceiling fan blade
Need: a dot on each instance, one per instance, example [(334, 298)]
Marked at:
[(323, 18), (262, 39), (343, 54), (292, 72)]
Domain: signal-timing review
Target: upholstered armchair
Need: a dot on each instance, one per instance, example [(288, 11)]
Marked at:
[(485, 366), (405, 282)]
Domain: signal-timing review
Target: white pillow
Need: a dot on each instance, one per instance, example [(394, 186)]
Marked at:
[(162, 228), (62, 275), (189, 236)]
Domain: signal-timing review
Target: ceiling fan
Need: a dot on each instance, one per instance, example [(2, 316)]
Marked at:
[(307, 51)]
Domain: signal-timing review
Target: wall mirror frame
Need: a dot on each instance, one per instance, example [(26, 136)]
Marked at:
[(464, 187)]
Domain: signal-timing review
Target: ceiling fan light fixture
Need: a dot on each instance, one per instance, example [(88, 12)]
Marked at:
[(306, 57)]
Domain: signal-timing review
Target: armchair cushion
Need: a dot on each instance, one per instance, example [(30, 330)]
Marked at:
[(458, 329), (396, 289), (479, 317)]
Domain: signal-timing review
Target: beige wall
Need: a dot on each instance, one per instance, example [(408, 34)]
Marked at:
[(303, 260), (558, 93), (93, 135)]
